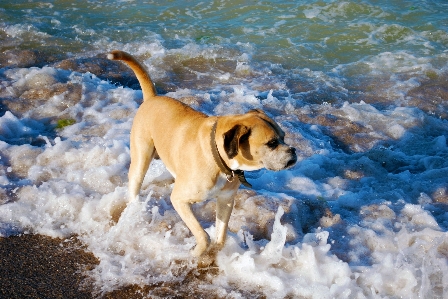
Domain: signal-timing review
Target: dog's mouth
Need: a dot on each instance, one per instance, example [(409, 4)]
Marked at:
[(291, 163), (285, 161), (288, 165), (293, 159)]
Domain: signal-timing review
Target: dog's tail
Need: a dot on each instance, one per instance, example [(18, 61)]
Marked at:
[(142, 75)]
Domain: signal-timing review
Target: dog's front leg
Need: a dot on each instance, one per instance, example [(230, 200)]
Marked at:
[(183, 208), (224, 208)]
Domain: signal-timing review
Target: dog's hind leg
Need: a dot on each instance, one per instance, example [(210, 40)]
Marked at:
[(141, 156)]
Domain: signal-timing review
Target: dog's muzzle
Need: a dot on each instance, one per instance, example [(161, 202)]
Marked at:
[(293, 158)]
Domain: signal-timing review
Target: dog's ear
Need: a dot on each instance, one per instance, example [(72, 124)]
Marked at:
[(233, 138)]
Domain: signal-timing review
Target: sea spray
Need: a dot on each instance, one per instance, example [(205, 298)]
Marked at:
[(286, 270)]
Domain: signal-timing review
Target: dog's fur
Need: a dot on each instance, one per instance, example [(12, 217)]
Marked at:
[(181, 136)]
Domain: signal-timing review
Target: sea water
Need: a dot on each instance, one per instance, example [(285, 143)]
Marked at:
[(359, 87)]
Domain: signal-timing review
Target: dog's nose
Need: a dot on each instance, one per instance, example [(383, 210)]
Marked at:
[(293, 160)]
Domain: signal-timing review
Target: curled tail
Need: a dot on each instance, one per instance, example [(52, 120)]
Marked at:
[(141, 73)]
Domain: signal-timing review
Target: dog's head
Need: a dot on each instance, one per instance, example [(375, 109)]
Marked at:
[(253, 141)]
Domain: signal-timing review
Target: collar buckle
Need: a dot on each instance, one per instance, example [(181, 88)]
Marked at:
[(230, 177)]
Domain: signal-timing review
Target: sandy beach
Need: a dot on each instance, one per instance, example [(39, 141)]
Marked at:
[(36, 266)]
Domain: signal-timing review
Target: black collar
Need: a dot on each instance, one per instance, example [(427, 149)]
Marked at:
[(230, 174)]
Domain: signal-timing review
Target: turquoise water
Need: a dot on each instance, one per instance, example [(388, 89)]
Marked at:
[(319, 51), (318, 35)]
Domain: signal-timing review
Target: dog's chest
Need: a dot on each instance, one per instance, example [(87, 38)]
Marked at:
[(223, 188)]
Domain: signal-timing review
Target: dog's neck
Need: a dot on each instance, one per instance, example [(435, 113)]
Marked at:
[(230, 174)]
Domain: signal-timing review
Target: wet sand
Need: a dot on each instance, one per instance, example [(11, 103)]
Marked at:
[(36, 266)]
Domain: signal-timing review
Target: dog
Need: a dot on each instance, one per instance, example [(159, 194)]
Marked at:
[(207, 155)]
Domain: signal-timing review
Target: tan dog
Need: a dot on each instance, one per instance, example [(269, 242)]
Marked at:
[(206, 154)]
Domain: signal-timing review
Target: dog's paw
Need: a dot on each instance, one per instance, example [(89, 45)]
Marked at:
[(205, 261), (208, 258)]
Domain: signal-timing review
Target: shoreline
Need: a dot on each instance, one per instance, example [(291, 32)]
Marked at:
[(37, 266)]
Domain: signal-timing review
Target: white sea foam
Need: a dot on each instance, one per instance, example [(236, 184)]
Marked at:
[(394, 247), (20, 30)]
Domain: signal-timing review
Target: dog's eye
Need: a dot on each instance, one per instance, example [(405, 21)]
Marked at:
[(273, 143)]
